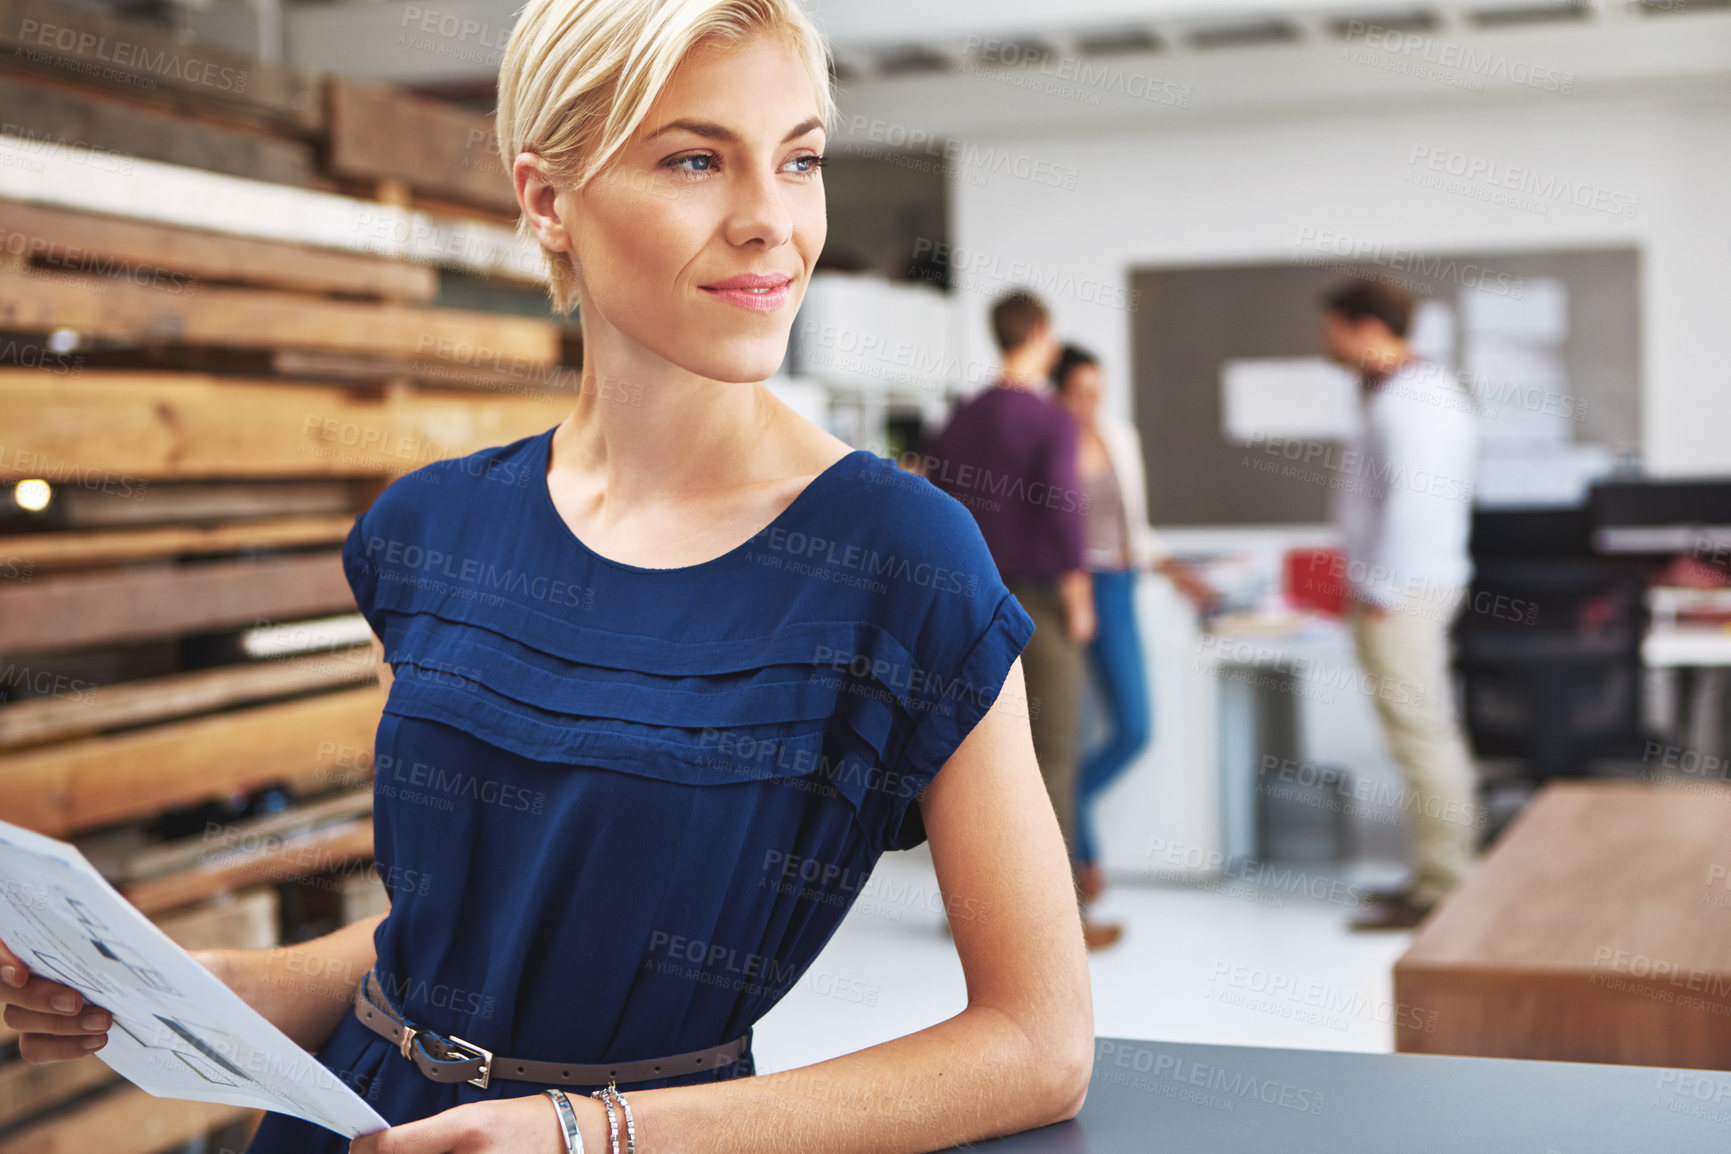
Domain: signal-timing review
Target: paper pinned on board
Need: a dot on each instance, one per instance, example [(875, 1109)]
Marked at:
[(1540, 314), (178, 1031), (1522, 392), (1297, 398)]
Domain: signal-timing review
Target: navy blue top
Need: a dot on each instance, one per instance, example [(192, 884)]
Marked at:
[(620, 810)]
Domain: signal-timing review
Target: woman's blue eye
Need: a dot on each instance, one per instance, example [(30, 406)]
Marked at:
[(706, 158), (707, 162)]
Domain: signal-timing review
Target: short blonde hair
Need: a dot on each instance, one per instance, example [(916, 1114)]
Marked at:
[(579, 76)]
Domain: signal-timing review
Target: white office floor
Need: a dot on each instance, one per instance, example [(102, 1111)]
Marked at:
[(1238, 964)]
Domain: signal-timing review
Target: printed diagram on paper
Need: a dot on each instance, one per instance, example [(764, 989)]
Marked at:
[(178, 1032)]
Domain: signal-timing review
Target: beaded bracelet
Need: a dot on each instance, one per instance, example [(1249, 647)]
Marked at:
[(567, 1120), (612, 1122), (608, 1094), (630, 1122)]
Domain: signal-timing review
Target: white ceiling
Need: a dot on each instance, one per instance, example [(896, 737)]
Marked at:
[(1325, 57), (995, 67)]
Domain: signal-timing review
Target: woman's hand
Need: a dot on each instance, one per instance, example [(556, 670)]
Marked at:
[(1076, 591), (528, 1125), (54, 1022), (1200, 593)]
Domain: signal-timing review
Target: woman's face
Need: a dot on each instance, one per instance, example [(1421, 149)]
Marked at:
[(697, 244), (1081, 393)]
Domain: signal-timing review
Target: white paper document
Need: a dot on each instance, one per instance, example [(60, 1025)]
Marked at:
[(1523, 392), (1432, 335), (178, 1032), (1301, 398), (1539, 314)]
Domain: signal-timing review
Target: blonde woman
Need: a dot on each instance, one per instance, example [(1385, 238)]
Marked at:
[(667, 679)]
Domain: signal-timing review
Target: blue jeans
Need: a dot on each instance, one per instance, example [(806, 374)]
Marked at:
[(1115, 659)]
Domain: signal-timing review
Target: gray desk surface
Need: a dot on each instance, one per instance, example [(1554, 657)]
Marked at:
[(1172, 1098)]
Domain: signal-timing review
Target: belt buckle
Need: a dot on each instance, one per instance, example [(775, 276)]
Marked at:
[(452, 1042)]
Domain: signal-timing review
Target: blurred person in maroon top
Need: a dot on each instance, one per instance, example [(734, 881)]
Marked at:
[(1009, 454)]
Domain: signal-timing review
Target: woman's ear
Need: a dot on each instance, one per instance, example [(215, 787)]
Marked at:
[(538, 197)]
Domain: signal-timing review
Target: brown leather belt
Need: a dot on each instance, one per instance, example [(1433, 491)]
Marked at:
[(447, 1058)]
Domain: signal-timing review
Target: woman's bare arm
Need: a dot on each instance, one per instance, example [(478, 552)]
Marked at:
[(1018, 1056), (304, 990)]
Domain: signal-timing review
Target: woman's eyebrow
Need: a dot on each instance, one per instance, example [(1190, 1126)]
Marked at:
[(711, 131)]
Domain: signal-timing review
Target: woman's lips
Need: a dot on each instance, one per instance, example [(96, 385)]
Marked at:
[(756, 292)]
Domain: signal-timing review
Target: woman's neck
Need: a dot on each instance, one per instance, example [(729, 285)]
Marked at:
[(650, 433)]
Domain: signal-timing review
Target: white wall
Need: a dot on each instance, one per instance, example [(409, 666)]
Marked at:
[(1247, 190)]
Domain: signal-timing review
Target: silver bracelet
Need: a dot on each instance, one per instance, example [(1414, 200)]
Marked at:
[(567, 1120), (612, 1122), (630, 1122)]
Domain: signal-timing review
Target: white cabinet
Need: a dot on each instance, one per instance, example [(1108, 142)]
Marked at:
[(878, 347)]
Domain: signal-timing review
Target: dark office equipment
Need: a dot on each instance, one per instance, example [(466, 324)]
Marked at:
[(1661, 517), (1549, 643)]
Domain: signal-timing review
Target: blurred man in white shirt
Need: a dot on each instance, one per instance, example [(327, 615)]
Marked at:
[(1403, 503)]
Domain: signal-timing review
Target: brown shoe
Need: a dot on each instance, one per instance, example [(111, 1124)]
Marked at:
[(1382, 895), (1090, 881), (1099, 935), (1400, 914)]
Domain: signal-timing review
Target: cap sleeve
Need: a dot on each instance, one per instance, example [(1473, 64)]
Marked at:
[(363, 576), (965, 655)]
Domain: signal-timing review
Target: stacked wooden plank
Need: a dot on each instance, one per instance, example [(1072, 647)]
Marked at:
[(225, 325), (129, 91), (155, 71)]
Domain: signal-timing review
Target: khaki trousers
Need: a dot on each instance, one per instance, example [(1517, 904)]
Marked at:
[(1053, 666), (1405, 656)]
